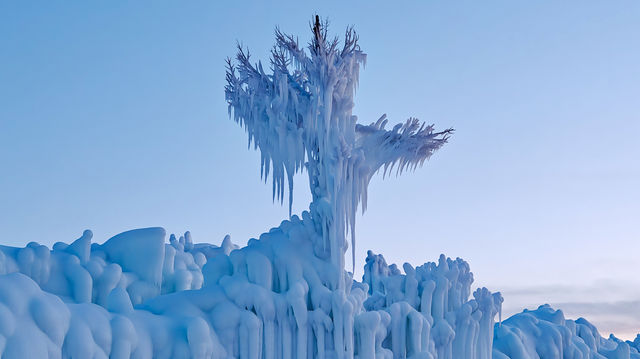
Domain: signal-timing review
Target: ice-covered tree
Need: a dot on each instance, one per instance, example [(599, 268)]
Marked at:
[(299, 114)]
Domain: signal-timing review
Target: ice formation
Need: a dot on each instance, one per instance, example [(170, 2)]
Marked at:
[(137, 296), (287, 293), (545, 333), (299, 116)]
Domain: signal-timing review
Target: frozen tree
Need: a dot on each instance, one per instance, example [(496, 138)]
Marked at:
[(299, 114)]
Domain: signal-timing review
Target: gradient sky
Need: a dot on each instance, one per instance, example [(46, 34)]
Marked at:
[(112, 117)]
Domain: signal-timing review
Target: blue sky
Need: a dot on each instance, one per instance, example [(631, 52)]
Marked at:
[(112, 117)]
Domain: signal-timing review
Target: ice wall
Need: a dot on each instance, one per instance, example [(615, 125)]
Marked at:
[(137, 296), (439, 292)]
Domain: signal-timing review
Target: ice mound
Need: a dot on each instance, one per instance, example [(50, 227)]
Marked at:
[(136, 261), (545, 333), (37, 324)]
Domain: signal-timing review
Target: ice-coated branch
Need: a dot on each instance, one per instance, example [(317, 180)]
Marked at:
[(408, 145), (300, 116), (267, 107)]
